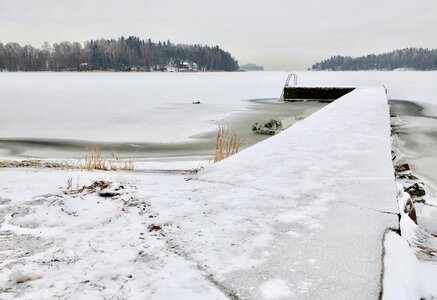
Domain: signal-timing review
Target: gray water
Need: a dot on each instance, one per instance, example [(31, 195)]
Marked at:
[(199, 146), (418, 137)]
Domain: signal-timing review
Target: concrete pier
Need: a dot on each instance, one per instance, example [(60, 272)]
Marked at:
[(326, 188), (322, 94)]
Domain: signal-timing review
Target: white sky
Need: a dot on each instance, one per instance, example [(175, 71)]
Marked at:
[(279, 34)]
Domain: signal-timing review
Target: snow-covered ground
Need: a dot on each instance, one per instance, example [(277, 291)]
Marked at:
[(298, 216)]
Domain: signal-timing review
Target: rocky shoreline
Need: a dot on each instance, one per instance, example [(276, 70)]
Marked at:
[(411, 183)]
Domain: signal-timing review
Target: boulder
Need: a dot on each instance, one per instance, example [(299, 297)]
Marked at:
[(402, 168), (269, 128), (412, 177), (410, 210), (415, 190)]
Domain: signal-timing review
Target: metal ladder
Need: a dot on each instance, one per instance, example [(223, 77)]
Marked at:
[(287, 84)]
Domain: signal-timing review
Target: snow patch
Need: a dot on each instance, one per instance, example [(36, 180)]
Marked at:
[(405, 277), (275, 289)]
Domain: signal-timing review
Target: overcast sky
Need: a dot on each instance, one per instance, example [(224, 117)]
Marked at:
[(278, 34)]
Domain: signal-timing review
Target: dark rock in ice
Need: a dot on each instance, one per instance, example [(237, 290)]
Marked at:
[(108, 193), (412, 177), (269, 128), (402, 168), (415, 190), (410, 210), (154, 227)]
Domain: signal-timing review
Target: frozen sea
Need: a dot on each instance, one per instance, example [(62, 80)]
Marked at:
[(56, 115), (150, 115)]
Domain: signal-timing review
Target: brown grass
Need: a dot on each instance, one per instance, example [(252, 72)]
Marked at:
[(226, 144), (69, 184), (93, 161), (34, 163)]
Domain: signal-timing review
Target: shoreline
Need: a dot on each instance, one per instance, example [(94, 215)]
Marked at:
[(407, 150)]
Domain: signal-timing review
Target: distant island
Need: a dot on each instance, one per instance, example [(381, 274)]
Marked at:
[(408, 58), (122, 54), (251, 67)]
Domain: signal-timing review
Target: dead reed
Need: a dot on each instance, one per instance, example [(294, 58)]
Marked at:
[(226, 144), (94, 161)]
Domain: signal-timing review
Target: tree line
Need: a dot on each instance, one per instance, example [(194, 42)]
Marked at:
[(408, 58), (122, 54)]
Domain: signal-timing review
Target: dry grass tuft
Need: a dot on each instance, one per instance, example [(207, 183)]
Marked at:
[(116, 164), (95, 186), (34, 163), (126, 166), (226, 144), (93, 161), (69, 184)]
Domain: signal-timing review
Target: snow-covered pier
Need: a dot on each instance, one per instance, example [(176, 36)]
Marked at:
[(322, 193)]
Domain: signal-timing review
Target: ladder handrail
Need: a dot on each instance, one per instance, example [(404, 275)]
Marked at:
[(287, 82), (288, 79)]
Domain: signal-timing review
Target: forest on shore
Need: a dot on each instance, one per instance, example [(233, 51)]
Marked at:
[(122, 54), (408, 58)]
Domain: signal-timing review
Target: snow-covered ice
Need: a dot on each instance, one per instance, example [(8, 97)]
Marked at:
[(125, 107), (156, 107)]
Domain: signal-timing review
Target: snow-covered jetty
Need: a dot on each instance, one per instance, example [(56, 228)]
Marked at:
[(322, 192)]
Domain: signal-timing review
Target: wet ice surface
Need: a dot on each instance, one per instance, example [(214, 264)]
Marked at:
[(138, 115), (202, 144)]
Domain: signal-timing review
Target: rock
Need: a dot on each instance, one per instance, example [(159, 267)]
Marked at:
[(196, 102), (154, 227), (415, 190), (108, 194), (269, 128), (410, 210), (402, 168), (412, 177)]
